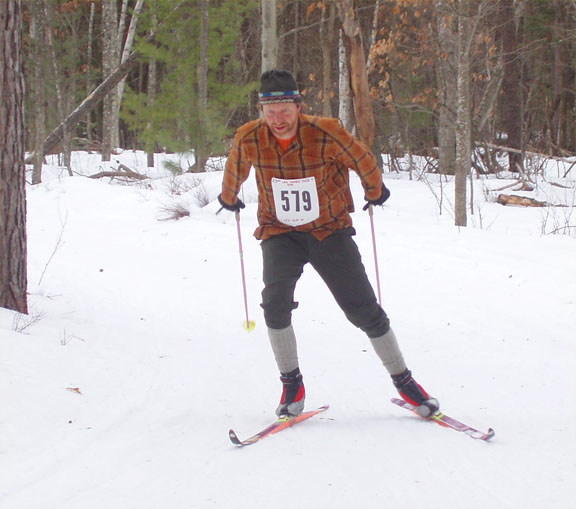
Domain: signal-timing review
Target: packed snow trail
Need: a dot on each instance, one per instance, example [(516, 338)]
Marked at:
[(144, 318)]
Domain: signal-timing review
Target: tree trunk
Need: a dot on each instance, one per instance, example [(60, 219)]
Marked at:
[(89, 57), (564, 76), (62, 107), (520, 201), (512, 93), (126, 50), (13, 246), (269, 35), (463, 118), (201, 155), (152, 86), (88, 104), (326, 38), (446, 79), (373, 35), (363, 110), (344, 96), (37, 33), (110, 60), (379, 142)]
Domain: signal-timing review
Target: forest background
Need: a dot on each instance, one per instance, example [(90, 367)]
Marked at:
[(195, 75)]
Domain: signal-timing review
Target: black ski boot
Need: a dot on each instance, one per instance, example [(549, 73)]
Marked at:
[(293, 395), (412, 392)]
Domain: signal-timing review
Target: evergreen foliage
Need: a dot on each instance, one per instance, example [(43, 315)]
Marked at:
[(172, 120), (408, 42)]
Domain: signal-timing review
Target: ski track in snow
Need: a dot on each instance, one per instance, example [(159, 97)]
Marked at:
[(144, 318)]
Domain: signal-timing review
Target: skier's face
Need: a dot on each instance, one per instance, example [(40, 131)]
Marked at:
[(282, 119)]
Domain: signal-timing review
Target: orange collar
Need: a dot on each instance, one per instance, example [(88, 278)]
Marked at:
[(285, 144)]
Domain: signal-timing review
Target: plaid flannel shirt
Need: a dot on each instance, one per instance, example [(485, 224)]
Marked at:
[(322, 149)]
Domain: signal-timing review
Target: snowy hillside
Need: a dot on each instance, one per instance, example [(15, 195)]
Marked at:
[(118, 390)]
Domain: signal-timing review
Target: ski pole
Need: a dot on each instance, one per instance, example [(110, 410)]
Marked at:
[(371, 214), (248, 324)]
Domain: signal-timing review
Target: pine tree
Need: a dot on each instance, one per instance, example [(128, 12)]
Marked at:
[(13, 280), (177, 119)]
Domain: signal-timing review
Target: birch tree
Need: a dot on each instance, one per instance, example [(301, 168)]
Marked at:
[(115, 51), (269, 35), (110, 61), (344, 96), (13, 247), (463, 118), (126, 50)]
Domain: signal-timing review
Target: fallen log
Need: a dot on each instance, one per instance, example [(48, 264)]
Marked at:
[(87, 105), (122, 172), (520, 201), (568, 159)]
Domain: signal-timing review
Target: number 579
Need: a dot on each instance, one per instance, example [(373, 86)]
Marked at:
[(296, 201)]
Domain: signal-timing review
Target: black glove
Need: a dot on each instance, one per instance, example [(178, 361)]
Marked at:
[(379, 201), (232, 208)]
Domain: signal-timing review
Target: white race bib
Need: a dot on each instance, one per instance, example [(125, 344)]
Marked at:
[(296, 200)]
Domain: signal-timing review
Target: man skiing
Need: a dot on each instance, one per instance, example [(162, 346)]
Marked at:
[(304, 205)]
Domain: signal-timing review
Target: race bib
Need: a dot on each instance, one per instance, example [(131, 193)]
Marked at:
[(296, 200)]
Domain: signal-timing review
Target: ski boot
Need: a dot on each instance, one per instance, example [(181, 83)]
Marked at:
[(293, 395), (412, 392)]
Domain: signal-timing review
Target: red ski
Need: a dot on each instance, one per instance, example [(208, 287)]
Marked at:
[(275, 427), (449, 422)]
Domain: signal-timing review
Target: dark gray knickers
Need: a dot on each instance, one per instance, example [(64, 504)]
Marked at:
[(337, 260)]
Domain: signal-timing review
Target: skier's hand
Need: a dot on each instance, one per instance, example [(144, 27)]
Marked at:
[(232, 208), (379, 201)]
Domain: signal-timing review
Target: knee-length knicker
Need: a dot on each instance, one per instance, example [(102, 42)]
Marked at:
[(337, 260)]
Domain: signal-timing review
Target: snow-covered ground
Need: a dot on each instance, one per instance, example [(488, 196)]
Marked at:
[(118, 389)]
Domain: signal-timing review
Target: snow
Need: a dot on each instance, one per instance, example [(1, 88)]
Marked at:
[(118, 389)]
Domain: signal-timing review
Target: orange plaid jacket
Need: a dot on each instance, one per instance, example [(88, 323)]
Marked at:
[(322, 149)]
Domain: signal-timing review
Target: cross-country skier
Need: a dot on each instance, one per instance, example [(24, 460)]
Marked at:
[(304, 206)]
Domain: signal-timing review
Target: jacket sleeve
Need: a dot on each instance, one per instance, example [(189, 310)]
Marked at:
[(358, 157), (236, 171)]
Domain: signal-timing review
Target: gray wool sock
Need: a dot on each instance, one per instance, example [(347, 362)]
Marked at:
[(387, 349), (283, 343)]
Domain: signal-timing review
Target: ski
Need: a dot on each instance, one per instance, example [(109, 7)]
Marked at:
[(275, 427), (449, 422)]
